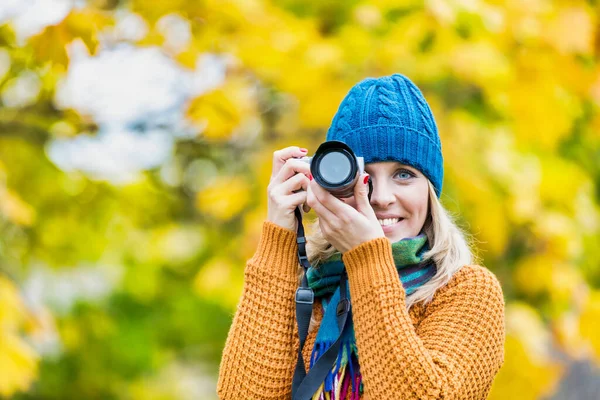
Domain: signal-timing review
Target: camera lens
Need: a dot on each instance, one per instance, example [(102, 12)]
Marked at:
[(335, 167)]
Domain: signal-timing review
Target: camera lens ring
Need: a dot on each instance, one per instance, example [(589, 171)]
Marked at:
[(342, 187)]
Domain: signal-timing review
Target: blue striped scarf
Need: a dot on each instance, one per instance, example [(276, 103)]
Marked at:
[(325, 281)]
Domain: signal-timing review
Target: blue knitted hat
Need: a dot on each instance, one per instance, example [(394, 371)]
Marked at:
[(388, 119)]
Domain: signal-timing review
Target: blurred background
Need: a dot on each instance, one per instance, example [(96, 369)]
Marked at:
[(136, 141)]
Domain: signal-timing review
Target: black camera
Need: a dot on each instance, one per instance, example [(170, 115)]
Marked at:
[(336, 168)]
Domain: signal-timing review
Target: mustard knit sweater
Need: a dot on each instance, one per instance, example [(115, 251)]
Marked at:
[(450, 348)]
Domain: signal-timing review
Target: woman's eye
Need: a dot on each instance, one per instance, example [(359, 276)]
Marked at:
[(404, 174)]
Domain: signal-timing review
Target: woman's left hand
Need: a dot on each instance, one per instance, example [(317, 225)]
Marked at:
[(344, 226)]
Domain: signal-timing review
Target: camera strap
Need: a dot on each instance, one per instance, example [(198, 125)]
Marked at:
[(304, 384)]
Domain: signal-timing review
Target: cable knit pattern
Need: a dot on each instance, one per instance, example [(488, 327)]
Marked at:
[(347, 112), (425, 112), (449, 349), (388, 106)]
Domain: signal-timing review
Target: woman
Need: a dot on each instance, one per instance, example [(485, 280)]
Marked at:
[(426, 322)]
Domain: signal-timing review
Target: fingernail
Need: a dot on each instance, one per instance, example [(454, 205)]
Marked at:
[(310, 176), (366, 179), (303, 150)]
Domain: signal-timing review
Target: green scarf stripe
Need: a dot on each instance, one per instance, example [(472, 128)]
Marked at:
[(406, 251)]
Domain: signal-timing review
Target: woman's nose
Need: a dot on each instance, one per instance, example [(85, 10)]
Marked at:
[(381, 196)]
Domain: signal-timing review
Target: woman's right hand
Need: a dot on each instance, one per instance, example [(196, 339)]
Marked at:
[(289, 175)]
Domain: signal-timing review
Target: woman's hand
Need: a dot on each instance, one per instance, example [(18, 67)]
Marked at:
[(344, 226), (287, 187)]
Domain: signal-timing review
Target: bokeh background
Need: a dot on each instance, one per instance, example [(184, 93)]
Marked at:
[(136, 141)]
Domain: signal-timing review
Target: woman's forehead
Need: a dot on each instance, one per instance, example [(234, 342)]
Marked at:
[(385, 165)]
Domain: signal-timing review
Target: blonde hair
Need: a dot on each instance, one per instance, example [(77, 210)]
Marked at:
[(450, 249)]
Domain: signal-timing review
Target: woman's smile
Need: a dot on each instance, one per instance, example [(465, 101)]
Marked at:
[(388, 225)]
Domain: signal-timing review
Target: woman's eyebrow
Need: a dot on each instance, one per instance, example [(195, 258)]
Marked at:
[(396, 167), (393, 166)]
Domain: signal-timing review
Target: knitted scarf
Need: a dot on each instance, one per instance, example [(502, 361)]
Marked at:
[(325, 282)]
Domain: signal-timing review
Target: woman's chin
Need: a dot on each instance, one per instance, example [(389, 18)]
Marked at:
[(399, 233), (393, 231), (394, 236)]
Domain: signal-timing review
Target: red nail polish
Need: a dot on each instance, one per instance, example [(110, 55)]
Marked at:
[(303, 150), (366, 179), (310, 176)]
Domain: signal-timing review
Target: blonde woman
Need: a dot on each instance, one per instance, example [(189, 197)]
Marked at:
[(426, 322)]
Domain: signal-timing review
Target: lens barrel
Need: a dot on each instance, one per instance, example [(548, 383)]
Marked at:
[(335, 168)]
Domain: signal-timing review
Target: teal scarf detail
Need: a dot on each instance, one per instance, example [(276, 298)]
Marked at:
[(325, 281)]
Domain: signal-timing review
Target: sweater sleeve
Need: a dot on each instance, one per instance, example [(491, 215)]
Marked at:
[(258, 359), (454, 352)]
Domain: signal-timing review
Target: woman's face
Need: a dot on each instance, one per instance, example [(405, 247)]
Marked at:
[(400, 193)]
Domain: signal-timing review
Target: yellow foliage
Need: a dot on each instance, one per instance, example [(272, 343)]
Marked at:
[(519, 173), (400, 52), (528, 371), (460, 135), (317, 108), (483, 64), (224, 198), (11, 307), (174, 381), (269, 41), (588, 323), (571, 30), (524, 323), (523, 19), (172, 244), (363, 44), (152, 12), (70, 335), (142, 281), (521, 377), (558, 234), (83, 24), (587, 212), (15, 209), (546, 274), (561, 182), (18, 361), (367, 15), (323, 54), (491, 225), (484, 207), (533, 275), (222, 110), (565, 329), (533, 103), (218, 280)]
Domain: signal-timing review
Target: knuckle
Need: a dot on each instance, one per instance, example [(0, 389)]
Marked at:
[(286, 165), (278, 200), (290, 163)]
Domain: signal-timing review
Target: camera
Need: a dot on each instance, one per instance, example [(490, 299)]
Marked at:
[(336, 168)]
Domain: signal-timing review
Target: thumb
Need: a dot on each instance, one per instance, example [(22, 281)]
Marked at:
[(361, 194)]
